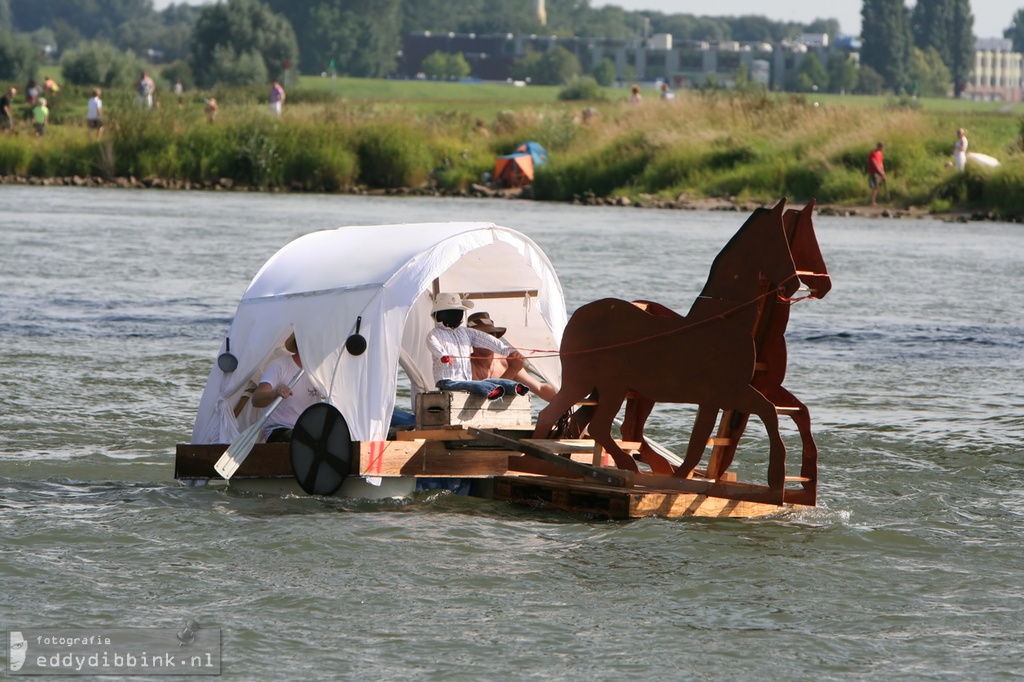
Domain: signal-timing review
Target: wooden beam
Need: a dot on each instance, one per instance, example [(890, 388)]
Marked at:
[(429, 458), (483, 295), (266, 460), (581, 497), (607, 476)]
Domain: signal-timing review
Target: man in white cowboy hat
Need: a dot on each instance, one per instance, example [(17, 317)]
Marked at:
[(488, 365), (295, 400), (451, 346)]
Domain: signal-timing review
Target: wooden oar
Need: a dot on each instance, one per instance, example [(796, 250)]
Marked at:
[(236, 453)]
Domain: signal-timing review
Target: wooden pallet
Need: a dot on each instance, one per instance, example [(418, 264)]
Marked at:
[(579, 497)]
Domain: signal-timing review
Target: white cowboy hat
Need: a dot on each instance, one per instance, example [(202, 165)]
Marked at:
[(446, 301)]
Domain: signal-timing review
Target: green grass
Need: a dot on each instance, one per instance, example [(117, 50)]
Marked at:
[(336, 135)]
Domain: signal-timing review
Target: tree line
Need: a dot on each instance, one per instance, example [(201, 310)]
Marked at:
[(253, 41)]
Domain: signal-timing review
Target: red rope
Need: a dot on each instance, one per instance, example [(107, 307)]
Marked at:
[(547, 353), (720, 316)]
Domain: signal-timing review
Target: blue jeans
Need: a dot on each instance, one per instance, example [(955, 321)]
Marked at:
[(482, 387)]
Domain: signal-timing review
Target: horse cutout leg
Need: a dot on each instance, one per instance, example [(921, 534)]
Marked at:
[(601, 428), (781, 397), (638, 409), (560, 404), (702, 427), (755, 403)]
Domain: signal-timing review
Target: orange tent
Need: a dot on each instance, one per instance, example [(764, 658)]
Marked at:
[(513, 170)]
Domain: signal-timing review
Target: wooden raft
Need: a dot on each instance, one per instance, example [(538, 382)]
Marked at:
[(578, 497)]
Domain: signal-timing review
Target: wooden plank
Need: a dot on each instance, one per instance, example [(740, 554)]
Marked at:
[(455, 432), (577, 496), (487, 295), (560, 493), (731, 490), (675, 505), (429, 458), (607, 476), (266, 460), (576, 445)]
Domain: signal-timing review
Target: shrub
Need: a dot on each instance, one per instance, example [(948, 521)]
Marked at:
[(620, 165), (235, 68), (731, 157), (19, 58), (318, 159), (962, 189), (842, 185), (580, 88), (392, 155), (604, 72), (100, 63), (672, 169), (179, 69), (556, 131), (14, 156), (1003, 190)]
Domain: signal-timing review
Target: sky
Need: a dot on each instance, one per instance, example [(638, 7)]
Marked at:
[(991, 17)]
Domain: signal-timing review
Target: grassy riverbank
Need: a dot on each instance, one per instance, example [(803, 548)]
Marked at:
[(717, 145)]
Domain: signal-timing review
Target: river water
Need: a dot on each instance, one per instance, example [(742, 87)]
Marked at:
[(113, 305)]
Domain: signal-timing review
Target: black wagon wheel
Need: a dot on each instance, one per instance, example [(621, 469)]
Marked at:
[(321, 449)]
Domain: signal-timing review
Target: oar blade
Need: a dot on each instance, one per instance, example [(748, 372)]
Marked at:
[(236, 453)]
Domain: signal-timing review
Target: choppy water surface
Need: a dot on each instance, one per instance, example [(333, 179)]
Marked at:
[(112, 307)]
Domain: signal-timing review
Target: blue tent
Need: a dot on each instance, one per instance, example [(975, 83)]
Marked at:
[(539, 154)]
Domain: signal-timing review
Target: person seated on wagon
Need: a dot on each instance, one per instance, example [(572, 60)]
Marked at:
[(487, 365), (295, 400), (451, 346)]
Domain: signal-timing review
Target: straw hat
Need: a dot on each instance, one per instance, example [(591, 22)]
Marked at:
[(483, 322), (447, 301)]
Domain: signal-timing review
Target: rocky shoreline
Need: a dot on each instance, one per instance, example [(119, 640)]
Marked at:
[(681, 202)]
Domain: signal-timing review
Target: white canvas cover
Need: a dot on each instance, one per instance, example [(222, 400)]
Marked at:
[(319, 284)]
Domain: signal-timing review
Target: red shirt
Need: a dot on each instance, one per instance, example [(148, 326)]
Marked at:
[(875, 162)]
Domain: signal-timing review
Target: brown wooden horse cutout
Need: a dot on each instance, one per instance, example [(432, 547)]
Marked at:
[(770, 367), (612, 347)]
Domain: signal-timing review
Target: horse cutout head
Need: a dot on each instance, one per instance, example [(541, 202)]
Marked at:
[(707, 357)]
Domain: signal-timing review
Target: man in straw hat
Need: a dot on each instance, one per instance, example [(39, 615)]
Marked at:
[(451, 345), (499, 365), (274, 383)]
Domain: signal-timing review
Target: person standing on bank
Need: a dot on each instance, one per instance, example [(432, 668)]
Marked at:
[(94, 114), (276, 99), (876, 171), (40, 116), (960, 150), (6, 115), (144, 91), (274, 384)]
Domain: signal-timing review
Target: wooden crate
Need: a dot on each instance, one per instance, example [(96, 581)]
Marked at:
[(444, 408)]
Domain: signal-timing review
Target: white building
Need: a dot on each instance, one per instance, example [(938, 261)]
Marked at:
[(996, 75)]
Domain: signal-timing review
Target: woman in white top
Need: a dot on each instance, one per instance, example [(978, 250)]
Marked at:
[(960, 149)]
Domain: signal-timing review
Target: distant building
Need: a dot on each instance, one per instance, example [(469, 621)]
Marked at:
[(996, 74)]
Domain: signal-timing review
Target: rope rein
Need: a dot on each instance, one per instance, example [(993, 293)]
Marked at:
[(548, 353)]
